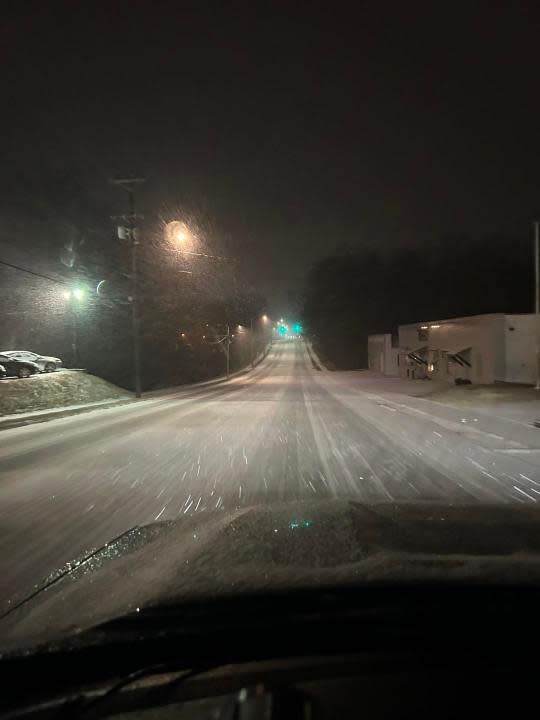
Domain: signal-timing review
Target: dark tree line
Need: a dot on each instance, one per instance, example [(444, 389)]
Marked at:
[(350, 295)]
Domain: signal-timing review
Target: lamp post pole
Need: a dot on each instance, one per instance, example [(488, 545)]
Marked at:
[(74, 331), (129, 184), (537, 298), (228, 345), (252, 358)]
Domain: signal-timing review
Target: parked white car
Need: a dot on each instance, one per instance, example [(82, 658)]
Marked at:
[(44, 362)]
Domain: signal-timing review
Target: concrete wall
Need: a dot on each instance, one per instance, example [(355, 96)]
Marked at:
[(479, 339), (376, 353), (382, 357), (521, 336), (500, 348), (392, 364)]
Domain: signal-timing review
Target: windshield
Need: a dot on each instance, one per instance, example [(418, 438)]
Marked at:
[(283, 265)]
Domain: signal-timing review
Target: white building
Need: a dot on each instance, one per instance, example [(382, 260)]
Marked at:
[(480, 348), (383, 357)]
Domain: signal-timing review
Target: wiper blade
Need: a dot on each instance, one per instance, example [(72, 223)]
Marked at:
[(128, 540), (95, 702), (94, 707)]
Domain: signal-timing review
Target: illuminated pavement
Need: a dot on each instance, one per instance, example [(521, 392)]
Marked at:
[(283, 432)]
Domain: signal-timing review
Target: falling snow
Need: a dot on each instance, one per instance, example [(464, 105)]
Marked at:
[(283, 432)]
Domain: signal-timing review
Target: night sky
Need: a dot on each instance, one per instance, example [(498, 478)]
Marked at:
[(290, 128)]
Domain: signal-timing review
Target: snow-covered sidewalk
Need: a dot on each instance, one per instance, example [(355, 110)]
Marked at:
[(511, 402), (482, 425)]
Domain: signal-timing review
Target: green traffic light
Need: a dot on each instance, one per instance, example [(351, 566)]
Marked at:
[(298, 328), (294, 524)]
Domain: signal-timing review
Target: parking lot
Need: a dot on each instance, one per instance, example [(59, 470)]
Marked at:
[(35, 378)]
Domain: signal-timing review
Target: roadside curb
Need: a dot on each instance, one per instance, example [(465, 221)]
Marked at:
[(315, 359), (163, 392), (13, 421), (31, 418)]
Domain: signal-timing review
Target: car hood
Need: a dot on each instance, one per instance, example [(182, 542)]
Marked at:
[(280, 547)]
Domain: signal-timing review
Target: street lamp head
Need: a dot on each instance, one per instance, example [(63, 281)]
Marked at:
[(78, 294), (178, 233), (66, 294), (265, 318)]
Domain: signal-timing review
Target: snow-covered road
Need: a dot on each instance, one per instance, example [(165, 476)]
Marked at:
[(284, 432)]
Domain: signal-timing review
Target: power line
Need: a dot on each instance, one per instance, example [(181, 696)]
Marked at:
[(31, 272)]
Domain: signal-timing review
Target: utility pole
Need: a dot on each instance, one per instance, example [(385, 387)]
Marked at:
[(228, 344), (251, 343), (74, 332), (130, 233), (537, 298)]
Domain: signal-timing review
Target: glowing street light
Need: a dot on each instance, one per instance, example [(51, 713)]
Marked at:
[(76, 294), (177, 233)]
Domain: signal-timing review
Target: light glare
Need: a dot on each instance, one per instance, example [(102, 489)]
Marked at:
[(177, 232)]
